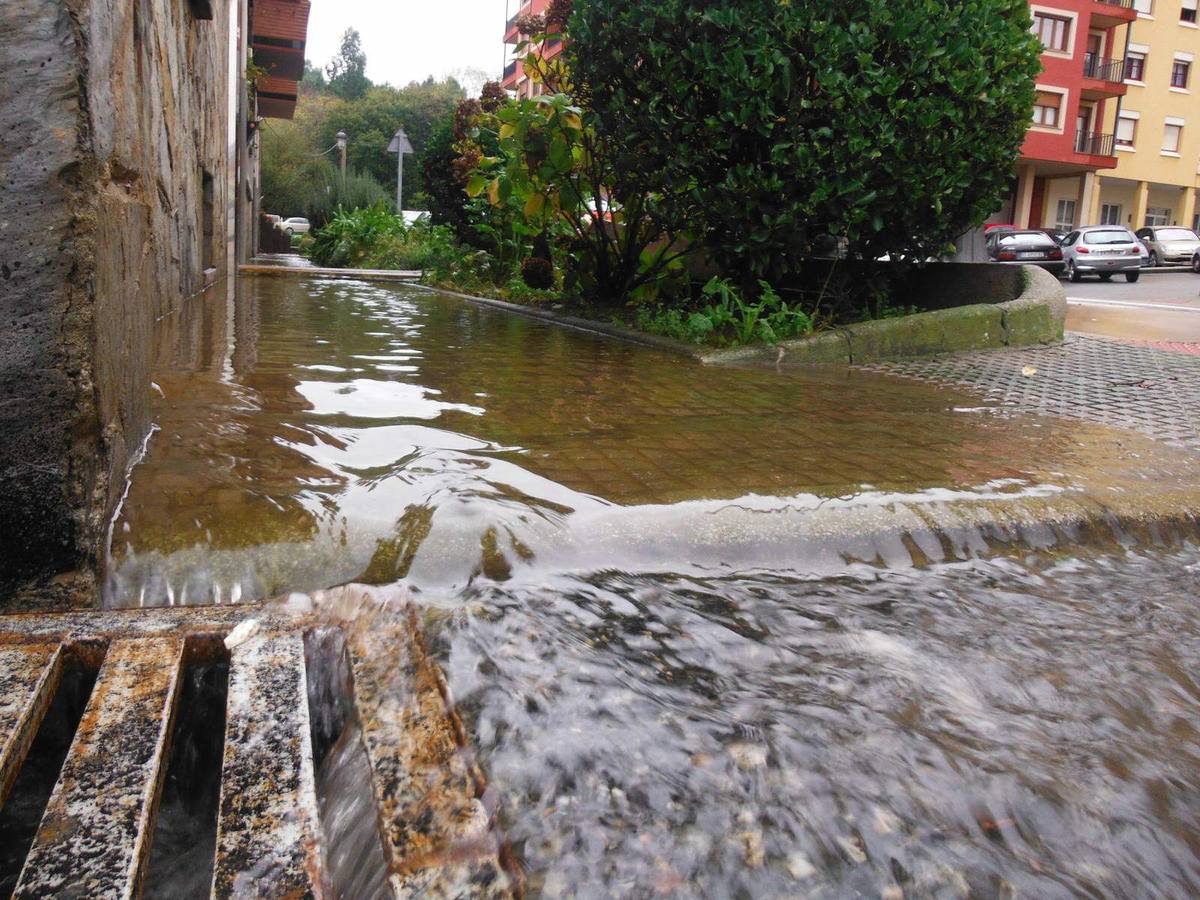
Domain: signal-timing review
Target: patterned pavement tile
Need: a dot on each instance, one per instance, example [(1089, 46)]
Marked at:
[(1148, 388)]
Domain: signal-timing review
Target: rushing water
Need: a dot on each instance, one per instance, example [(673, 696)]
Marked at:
[(714, 632)]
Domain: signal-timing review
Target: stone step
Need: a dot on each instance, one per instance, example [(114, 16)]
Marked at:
[(437, 835)]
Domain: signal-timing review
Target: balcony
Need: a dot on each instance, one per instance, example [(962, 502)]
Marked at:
[(510, 73), (1102, 77), (1112, 13), (1092, 143)]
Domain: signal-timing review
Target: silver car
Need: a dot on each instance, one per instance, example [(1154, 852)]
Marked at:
[(1102, 250), (1169, 244), (295, 225)]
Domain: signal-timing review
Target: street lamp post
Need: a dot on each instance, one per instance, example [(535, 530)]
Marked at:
[(341, 145), (400, 145)]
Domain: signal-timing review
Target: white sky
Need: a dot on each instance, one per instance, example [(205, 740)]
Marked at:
[(408, 40)]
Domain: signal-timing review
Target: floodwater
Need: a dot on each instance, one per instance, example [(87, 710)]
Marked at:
[(714, 632)]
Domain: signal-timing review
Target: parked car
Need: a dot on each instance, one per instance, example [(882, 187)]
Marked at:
[(295, 225), (1102, 250), (1169, 244), (1025, 247), (1196, 262)]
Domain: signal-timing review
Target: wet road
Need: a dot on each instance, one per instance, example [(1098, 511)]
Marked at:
[(1159, 307)]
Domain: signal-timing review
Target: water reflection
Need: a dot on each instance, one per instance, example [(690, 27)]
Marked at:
[(314, 433)]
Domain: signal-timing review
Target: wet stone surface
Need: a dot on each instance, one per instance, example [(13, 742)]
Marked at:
[(1149, 389)]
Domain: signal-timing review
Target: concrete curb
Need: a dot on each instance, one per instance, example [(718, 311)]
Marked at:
[(1035, 317), (315, 272)]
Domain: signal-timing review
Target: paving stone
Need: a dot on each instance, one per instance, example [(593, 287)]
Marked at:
[(1140, 387)]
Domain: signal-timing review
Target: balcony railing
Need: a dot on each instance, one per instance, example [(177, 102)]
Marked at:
[(1094, 144), (1124, 4), (509, 70), (1096, 66)]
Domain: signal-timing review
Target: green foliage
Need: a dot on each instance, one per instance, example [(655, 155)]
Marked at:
[(371, 120), (348, 70), (727, 319), (313, 81), (551, 175), (443, 184), (377, 238), (352, 236), (767, 125)]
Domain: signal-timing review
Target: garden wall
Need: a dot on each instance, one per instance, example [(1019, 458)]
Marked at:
[(113, 160)]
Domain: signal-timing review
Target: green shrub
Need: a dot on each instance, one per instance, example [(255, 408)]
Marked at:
[(727, 319), (350, 237), (377, 238), (892, 125)]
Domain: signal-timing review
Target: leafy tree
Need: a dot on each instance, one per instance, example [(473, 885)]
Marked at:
[(890, 124), (555, 175), (348, 70), (313, 81), (372, 120), (443, 184)]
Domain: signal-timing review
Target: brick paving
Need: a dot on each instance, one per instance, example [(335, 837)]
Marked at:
[(1173, 346), (1148, 388)]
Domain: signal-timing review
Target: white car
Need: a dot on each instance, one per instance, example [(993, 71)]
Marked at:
[(295, 225)]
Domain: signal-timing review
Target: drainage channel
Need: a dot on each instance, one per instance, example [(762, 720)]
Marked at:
[(202, 752)]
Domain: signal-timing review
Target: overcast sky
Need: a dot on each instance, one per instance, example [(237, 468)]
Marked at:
[(408, 40)]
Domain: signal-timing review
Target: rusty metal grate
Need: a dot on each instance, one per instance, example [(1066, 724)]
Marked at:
[(437, 836)]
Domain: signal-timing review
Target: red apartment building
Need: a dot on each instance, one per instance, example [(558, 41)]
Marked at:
[(1083, 73), (514, 75)]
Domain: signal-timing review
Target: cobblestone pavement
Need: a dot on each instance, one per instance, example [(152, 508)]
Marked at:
[(1145, 388)]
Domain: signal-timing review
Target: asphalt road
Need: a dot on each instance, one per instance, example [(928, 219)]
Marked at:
[(1163, 306)]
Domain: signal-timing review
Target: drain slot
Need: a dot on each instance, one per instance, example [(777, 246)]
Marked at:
[(354, 851), (30, 794), (180, 865)]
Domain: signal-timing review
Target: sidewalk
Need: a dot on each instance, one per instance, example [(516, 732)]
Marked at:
[(1146, 387)]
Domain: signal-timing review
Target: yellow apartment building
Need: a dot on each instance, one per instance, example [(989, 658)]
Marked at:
[(1156, 127)]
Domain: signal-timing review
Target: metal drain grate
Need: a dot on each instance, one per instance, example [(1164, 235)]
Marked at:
[(95, 835)]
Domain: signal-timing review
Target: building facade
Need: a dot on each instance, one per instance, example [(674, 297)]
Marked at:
[(1081, 86), (1157, 127), (514, 78)]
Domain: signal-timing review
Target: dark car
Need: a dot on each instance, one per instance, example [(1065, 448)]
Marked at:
[(1025, 247)]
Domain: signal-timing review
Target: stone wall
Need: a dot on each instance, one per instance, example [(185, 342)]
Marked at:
[(113, 167)]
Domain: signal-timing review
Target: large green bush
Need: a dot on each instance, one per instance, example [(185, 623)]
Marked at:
[(891, 125)]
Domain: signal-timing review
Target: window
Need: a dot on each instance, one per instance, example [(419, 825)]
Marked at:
[(1126, 131), (1110, 214), (1054, 31), (1046, 109), (1064, 219), (1106, 237), (1180, 73), (1158, 215), (1172, 138), (207, 219), (1135, 66), (201, 9), (1144, 6), (1187, 12)]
